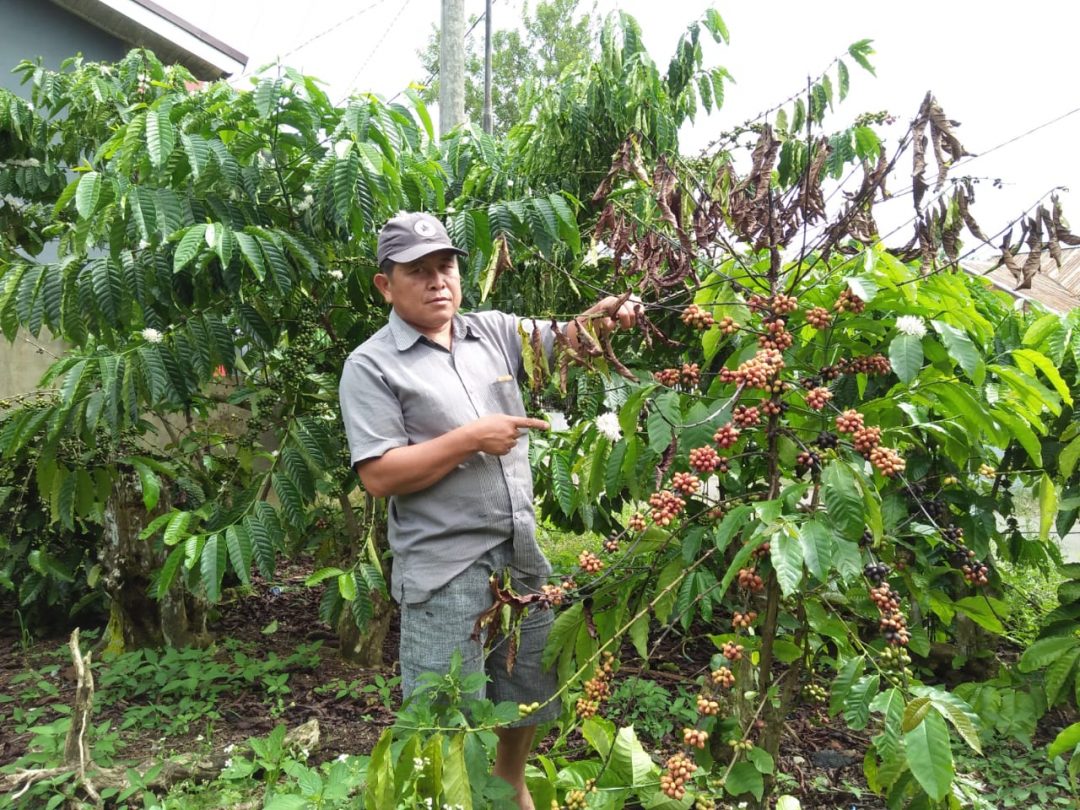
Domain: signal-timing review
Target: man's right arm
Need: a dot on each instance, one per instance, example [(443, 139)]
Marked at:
[(415, 467)]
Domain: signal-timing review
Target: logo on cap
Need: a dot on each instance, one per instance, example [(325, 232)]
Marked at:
[(424, 228)]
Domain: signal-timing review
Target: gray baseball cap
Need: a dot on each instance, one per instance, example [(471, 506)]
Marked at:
[(408, 237)]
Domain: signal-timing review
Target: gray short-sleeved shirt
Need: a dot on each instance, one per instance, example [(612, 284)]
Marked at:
[(400, 388)]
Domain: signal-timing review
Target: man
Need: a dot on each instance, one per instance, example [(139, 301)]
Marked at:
[(435, 421)]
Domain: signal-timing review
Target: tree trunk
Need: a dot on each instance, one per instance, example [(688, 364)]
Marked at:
[(136, 619), (364, 646)]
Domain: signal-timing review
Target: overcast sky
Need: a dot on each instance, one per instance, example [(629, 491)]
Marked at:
[(999, 70)]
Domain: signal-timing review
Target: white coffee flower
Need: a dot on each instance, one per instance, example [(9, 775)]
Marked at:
[(305, 203), (151, 335), (911, 325), (336, 275), (230, 748), (228, 763), (608, 425), (341, 758), (418, 763)]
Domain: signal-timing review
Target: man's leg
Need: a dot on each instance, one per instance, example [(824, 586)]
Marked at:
[(510, 757)]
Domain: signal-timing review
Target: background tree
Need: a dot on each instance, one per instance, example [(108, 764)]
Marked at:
[(524, 60)]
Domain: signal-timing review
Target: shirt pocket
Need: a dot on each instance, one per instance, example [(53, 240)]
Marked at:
[(505, 396)]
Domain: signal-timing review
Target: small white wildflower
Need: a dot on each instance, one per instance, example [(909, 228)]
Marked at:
[(608, 425), (305, 203), (592, 257), (230, 748), (151, 335), (510, 183), (427, 761), (304, 753), (143, 244), (336, 275), (911, 325), (418, 763), (427, 802), (228, 762), (341, 758), (200, 738)]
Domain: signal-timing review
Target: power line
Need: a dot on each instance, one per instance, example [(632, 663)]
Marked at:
[(371, 53)]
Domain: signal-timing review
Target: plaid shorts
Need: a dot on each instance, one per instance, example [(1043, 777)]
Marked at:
[(432, 630)]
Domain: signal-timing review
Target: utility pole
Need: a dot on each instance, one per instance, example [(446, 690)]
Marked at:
[(452, 66), (487, 67)]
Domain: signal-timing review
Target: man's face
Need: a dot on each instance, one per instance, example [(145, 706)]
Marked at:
[(425, 293)]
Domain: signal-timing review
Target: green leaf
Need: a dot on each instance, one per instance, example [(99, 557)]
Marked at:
[(962, 350), (629, 760), (191, 243), (845, 679), (1065, 741), (1022, 433), (456, 788), (1044, 651), (956, 711), (238, 541), (379, 790), (1058, 675), (762, 759), (716, 26), (859, 51), (817, 548), (1068, 457), (88, 194), (151, 486), (212, 566), (347, 586), (906, 356), (1047, 367), (160, 135), (176, 530), (857, 704), (843, 503), (979, 610), (843, 78), (915, 712), (1048, 504), (787, 560), (745, 778), (929, 755)]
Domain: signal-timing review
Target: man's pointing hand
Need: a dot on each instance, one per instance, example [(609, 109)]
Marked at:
[(497, 433)]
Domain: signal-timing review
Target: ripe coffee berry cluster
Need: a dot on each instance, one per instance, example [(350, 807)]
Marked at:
[(826, 440), (976, 573), (722, 677), (887, 460), (695, 737), (750, 580), (746, 416), (667, 376), (758, 372), (611, 544), (876, 572), (679, 769), (706, 459), (761, 551), (697, 318), (726, 435), (727, 325), (686, 483), (784, 304), (597, 689), (954, 534), (666, 506), (590, 563), (710, 708), (849, 302), (807, 461), (741, 621), (893, 624), (869, 364), (818, 317), (817, 398), (636, 523), (775, 336), (690, 374), (864, 440), (552, 595), (732, 652), (849, 421), (773, 408)]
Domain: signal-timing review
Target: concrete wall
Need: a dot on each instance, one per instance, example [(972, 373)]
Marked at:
[(30, 29)]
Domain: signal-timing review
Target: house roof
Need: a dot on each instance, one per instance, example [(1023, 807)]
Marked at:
[(143, 23), (1057, 289)]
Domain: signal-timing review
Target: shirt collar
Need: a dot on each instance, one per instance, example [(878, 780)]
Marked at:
[(406, 336)]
